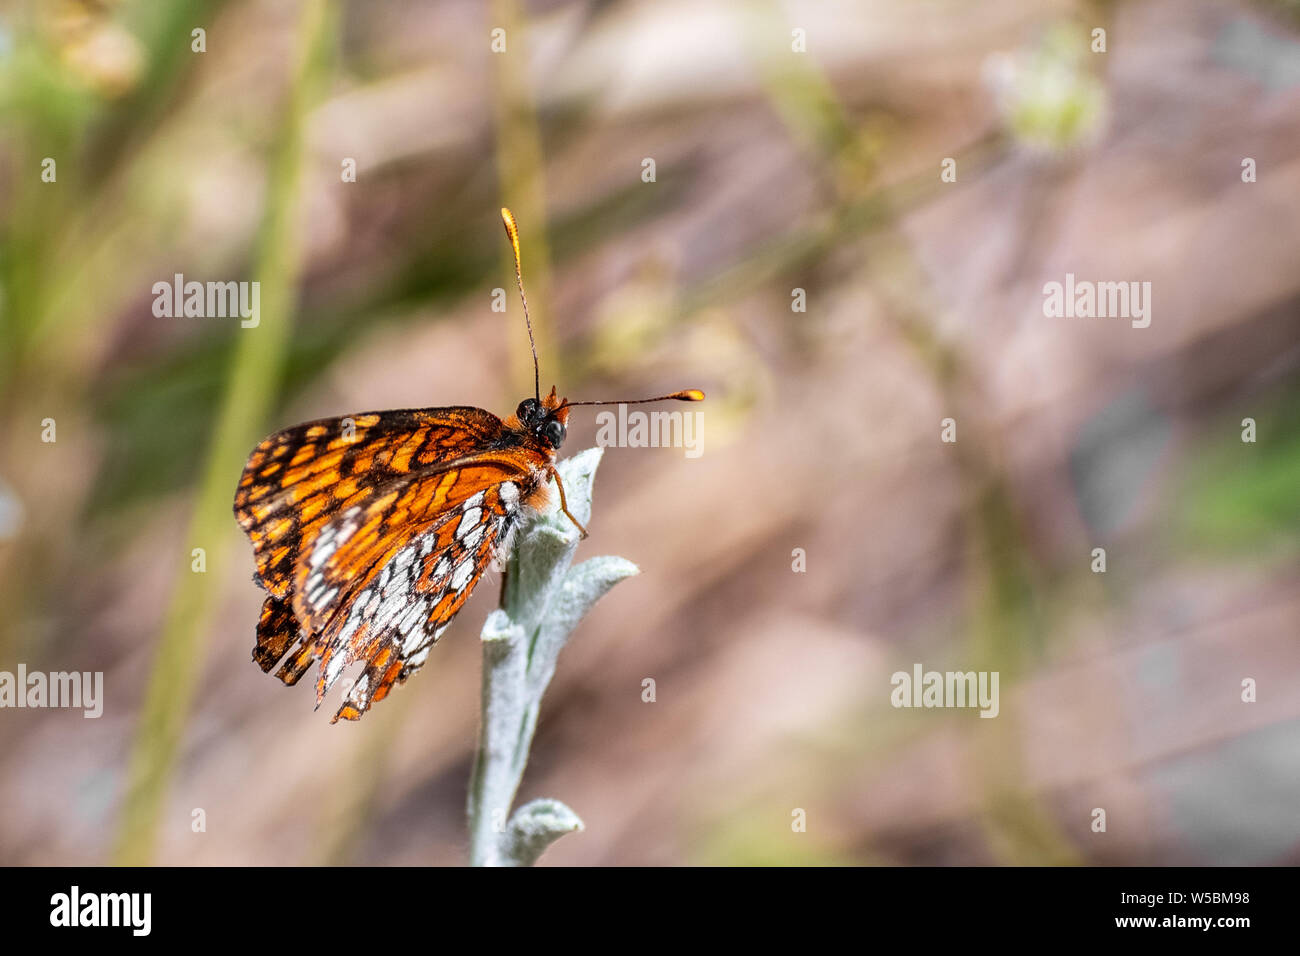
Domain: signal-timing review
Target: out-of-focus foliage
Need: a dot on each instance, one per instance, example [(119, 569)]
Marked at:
[(778, 168)]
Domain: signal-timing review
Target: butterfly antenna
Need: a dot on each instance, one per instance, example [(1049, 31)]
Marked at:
[(512, 231), (685, 395)]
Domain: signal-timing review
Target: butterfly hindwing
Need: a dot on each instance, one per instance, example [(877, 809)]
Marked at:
[(362, 539), (403, 605)]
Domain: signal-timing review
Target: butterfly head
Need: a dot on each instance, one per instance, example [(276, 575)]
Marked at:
[(545, 420)]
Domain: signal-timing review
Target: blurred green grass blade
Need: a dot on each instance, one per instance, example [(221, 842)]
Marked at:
[(522, 173), (251, 389), (165, 30)]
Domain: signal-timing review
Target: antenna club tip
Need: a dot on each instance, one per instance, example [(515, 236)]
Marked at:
[(688, 395)]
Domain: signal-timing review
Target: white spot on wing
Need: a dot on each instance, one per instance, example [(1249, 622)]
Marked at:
[(462, 574), (412, 627), (321, 553), (409, 623), (335, 668), (389, 608), (348, 526), (468, 521), (350, 628)]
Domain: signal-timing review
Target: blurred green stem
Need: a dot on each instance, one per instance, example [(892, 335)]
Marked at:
[(253, 382), (523, 187)]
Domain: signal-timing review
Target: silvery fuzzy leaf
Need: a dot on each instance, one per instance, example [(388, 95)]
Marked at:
[(533, 828), (545, 600)]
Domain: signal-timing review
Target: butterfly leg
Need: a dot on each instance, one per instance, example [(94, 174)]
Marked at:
[(564, 505)]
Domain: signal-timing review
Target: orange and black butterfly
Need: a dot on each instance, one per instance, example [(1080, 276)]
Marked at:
[(370, 531)]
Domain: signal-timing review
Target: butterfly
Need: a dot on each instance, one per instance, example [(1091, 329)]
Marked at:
[(371, 531)]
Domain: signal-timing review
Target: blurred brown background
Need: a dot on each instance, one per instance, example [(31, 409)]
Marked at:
[(775, 170)]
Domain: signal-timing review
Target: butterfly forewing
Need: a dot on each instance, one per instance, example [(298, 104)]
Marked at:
[(299, 478)]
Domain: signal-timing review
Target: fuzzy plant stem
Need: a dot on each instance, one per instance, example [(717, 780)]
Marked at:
[(543, 601)]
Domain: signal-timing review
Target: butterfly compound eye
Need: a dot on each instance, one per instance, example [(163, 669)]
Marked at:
[(554, 433), (527, 410)]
